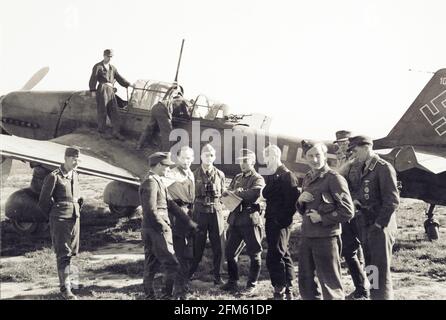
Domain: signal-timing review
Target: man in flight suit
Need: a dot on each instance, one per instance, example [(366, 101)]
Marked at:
[(161, 118), (156, 227), (245, 225), (324, 204), (59, 198), (351, 246), (281, 193), (208, 211), (377, 199), (182, 191), (105, 74)]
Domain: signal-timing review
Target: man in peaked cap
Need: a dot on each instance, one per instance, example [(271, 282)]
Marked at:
[(156, 227), (105, 74), (208, 211), (342, 143), (60, 199), (245, 222), (351, 245), (376, 196)]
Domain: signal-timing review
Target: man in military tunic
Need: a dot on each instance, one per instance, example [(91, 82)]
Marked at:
[(245, 225), (161, 118), (324, 204), (351, 245), (208, 211), (281, 193), (156, 227), (106, 74), (377, 199), (60, 199), (182, 191)]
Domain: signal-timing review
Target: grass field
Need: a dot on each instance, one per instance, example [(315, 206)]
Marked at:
[(111, 260)]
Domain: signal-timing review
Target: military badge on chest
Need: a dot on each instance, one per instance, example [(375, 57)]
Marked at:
[(366, 189)]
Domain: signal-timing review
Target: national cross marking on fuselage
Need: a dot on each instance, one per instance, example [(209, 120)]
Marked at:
[(432, 113)]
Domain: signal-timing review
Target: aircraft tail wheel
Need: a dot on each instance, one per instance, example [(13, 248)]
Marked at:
[(130, 212), (432, 228)]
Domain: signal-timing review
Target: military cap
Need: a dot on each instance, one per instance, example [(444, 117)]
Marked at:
[(359, 141), (72, 152), (160, 157), (246, 154), (307, 145), (208, 148), (342, 135), (108, 52)]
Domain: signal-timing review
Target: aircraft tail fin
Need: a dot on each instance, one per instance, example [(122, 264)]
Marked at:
[(424, 123)]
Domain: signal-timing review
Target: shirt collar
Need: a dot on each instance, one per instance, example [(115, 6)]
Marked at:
[(320, 172)]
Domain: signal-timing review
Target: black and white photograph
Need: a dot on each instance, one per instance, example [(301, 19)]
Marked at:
[(238, 152)]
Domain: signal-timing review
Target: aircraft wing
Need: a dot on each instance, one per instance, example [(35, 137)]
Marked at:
[(405, 158), (52, 154)]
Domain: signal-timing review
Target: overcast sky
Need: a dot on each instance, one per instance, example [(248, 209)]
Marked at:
[(314, 66)]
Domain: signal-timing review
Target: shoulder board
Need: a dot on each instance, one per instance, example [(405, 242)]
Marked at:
[(56, 171)]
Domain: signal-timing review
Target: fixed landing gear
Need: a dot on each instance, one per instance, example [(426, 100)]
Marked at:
[(431, 225)]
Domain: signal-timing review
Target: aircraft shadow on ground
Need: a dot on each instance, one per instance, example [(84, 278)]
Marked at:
[(97, 229)]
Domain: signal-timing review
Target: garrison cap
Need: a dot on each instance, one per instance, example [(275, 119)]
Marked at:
[(342, 135), (310, 144), (108, 52), (246, 154), (208, 148), (160, 157), (359, 141), (72, 152)]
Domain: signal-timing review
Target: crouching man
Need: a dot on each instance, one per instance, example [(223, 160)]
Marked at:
[(156, 227), (59, 198), (325, 203)]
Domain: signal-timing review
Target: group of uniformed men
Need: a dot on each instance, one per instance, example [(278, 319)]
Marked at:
[(348, 212)]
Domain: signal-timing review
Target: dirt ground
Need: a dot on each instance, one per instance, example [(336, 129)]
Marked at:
[(110, 263)]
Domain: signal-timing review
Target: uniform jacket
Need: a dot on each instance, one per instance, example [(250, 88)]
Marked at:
[(331, 199), (216, 178), (378, 191), (60, 194), (163, 109), (182, 191), (156, 203), (246, 213), (281, 193), (102, 75)]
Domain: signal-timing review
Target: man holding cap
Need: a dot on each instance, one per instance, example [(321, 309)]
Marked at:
[(208, 211), (377, 199), (59, 198), (351, 245), (245, 224), (106, 74), (156, 227), (324, 204)]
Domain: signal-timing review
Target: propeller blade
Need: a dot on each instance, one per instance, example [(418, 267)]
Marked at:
[(35, 79)]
